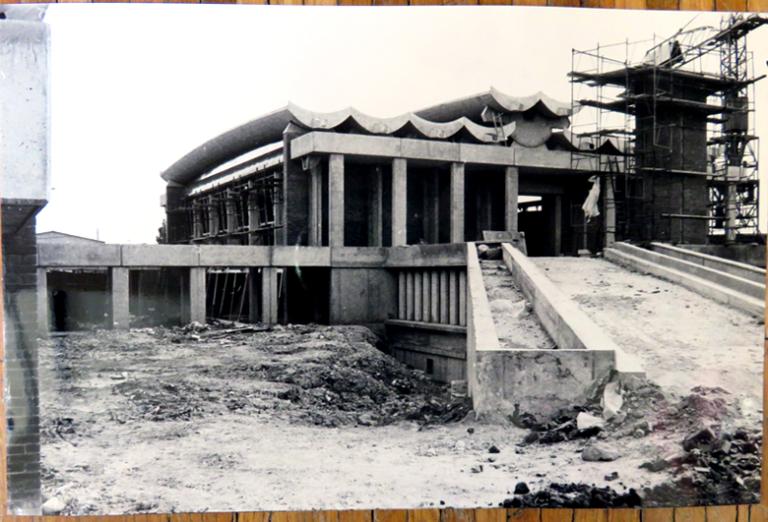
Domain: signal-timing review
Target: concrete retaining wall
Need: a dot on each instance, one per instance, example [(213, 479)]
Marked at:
[(504, 382), (437, 350), (727, 266)]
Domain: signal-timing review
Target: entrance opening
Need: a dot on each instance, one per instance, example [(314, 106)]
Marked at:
[(484, 201), (79, 299), (428, 208), (367, 204), (155, 297)]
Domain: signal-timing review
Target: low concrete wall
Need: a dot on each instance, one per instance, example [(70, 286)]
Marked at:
[(734, 268), (752, 254), (537, 382)]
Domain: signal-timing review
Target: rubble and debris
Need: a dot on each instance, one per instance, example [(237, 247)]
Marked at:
[(575, 496), (599, 453), (53, 506), (521, 488)]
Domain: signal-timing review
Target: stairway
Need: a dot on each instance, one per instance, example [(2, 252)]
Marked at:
[(739, 285)]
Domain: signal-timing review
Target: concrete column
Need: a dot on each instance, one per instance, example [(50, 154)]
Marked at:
[(197, 295), (377, 209), (43, 302), (558, 218), (457, 202), (610, 211), (121, 298), (269, 296), (512, 189), (254, 299), (336, 200), (231, 213), (213, 217), (315, 204), (399, 201)]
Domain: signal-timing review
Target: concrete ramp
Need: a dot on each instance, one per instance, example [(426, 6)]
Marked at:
[(555, 365), (735, 284)]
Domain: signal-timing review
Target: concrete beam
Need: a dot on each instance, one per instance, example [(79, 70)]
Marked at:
[(431, 150), (457, 202), (160, 255), (197, 295), (121, 297), (399, 201), (336, 200), (62, 255), (511, 196)]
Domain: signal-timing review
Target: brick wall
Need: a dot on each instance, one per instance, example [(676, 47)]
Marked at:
[(19, 254)]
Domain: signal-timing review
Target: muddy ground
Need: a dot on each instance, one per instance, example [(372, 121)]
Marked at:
[(314, 417)]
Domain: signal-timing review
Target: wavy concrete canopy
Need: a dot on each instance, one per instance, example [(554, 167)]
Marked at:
[(457, 120)]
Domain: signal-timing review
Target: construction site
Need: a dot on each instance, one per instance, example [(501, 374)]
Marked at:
[(492, 301)]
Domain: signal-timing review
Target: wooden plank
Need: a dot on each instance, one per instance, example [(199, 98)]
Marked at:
[(742, 513), (491, 515), (291, 516), (730, 5), (690, 514), (529, 2), (390, 515), (355, 2), (590, 515), (623, 515), (424, 515), (319, 2), (524, 515), (721, 513), (758, 512), (697, 5), (658, 515), (758, 5), (630, 4), (324, 516), (662, 4), (458, 515), (356, 516), (495, 2), (556, 515), (258, 2)]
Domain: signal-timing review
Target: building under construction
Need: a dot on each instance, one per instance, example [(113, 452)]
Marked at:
[(684, 116)]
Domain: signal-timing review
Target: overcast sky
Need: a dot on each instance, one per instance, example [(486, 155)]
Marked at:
[(135, 87)]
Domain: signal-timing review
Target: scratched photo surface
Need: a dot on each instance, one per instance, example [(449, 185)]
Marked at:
[(266, 258)]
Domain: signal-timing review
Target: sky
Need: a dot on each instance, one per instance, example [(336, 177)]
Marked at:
[(135, 87)]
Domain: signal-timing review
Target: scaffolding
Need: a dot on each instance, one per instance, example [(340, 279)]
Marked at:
[(625, 93)]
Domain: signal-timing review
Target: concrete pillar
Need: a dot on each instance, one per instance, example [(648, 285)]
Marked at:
[(197, 295), (231, 212), (213, 216), (121, 298), (269, 296), (558, 219), (457, 202), (512, 190), (399, 201), (376, 237), (254, 298), (336, 200), (610, 211), (315, 204), (43, 302)]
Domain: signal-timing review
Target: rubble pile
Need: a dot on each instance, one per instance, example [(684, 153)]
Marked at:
[(309, 374), (575, 496)]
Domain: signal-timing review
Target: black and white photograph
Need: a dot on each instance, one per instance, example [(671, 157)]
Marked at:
[(268, 258)]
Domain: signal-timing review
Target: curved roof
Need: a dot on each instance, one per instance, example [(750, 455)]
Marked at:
[(458, 119)]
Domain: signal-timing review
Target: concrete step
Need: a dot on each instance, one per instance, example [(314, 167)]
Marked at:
[(743, 270), (699, 285), (733, 282)]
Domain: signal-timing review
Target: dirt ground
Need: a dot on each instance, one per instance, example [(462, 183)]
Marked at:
[(292, 418), (684, 340), (516, 325), (314, 417)]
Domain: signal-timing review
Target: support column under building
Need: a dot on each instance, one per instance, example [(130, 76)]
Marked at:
[(43, 304), (457, 202), (315, 203), (197, 297), (269, 296), (254, 299), (121, 298), (336, 200), (377, 208), (399, 201), (511, 189)]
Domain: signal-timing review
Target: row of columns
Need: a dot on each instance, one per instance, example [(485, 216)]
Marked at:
[(399, 202)]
